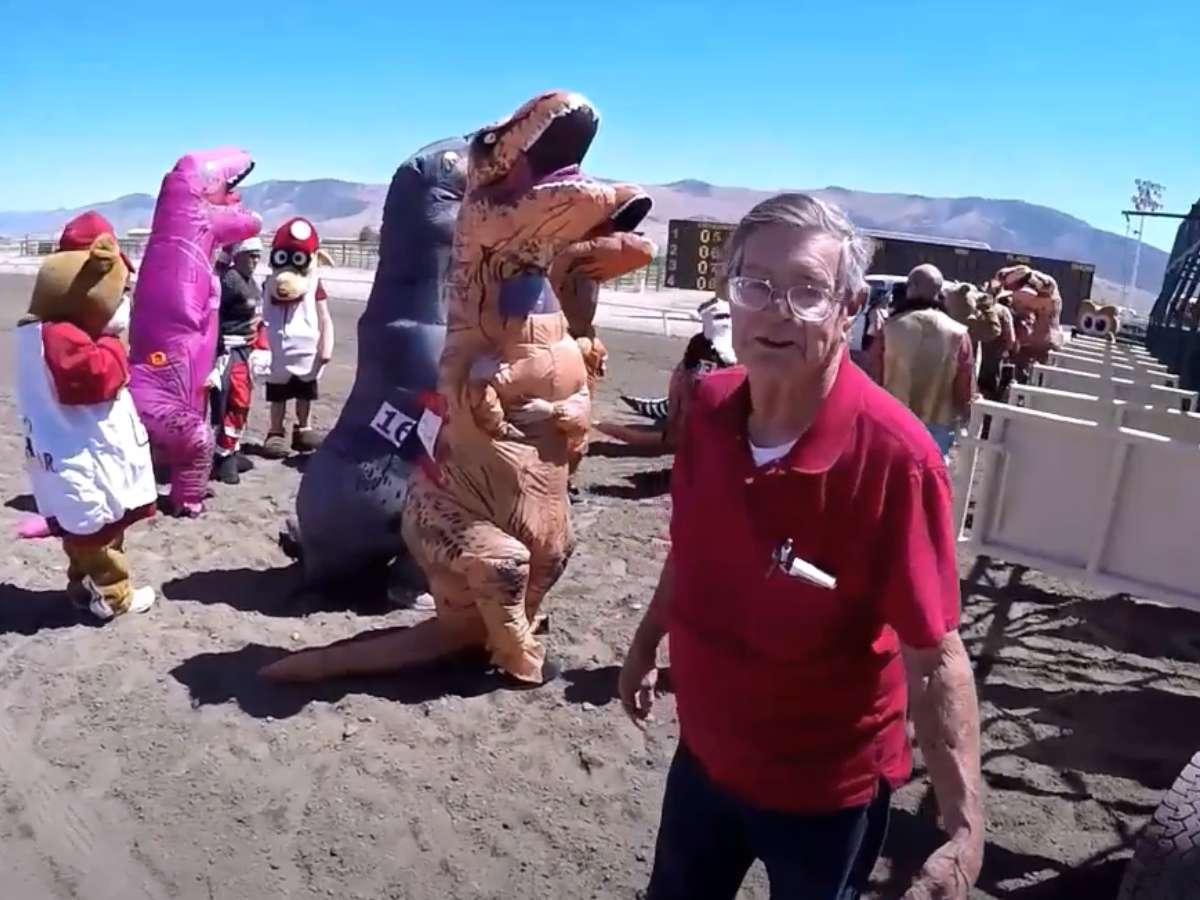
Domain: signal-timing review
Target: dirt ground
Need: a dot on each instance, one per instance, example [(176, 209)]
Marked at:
[(144, 759)]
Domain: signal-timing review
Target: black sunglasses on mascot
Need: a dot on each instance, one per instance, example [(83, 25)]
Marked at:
[(295, 258)]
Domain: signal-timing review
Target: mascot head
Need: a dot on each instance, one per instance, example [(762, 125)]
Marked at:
[(976, 309), (1098, 321), (79, 233), (85, 288), (295, 256), (716, 324)]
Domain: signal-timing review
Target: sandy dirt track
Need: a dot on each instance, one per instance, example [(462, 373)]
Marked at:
[(144, 760)]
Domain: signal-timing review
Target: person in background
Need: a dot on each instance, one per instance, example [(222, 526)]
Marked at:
[(811, 576), (240, 316), (876, 313), (924, 358), (995, 354)]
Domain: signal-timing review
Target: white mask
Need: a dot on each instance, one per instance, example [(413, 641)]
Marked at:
[(717, 326), (120, 319)]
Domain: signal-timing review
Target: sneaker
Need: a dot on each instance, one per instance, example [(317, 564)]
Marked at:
[(305, 440), (100, 609), (225, 470), (551, 671), (142, 599), (275, 446), (139, 602), (244, 463), (78, 595), (96, 602)]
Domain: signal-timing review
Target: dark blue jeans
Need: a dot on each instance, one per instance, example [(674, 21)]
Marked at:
[(708, 840)]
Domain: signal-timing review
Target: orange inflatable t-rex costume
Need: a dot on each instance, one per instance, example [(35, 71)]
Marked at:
[(1034, 294), (576, 276), (491, 529)]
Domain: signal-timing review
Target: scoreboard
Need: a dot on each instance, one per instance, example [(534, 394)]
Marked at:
[(694, 253)]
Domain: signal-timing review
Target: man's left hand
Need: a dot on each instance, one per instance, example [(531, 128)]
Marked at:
[(949, 873)]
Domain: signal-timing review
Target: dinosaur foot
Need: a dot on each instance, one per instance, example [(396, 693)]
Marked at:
[(300, 667), (182, 510), (289, 539), (376, 652), (33, 527)]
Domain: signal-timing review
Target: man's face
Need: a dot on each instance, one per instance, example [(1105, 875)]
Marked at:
[(246, 262), (772, 341)]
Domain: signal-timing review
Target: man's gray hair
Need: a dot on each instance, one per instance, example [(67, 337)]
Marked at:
[(805, 211)]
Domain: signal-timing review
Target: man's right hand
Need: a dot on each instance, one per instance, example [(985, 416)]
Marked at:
[(638, 680)]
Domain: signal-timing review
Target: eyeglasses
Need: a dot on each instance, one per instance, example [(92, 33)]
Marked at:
[(806, 302)]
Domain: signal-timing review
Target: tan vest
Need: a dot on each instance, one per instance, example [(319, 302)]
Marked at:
[(920, 351)]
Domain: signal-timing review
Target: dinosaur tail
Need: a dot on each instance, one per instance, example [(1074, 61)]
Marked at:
[(652, 408)]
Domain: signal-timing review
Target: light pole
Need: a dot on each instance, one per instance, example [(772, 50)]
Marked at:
[(1147, 197)]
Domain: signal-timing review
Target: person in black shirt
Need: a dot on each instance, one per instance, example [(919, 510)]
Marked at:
[(240, 316)]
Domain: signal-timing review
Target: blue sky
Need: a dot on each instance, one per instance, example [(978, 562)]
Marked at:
[(1057, 102)]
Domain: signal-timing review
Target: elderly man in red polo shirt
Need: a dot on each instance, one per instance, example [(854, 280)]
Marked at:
[(819, 605)]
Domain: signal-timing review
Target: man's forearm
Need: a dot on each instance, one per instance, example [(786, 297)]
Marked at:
[(945, 712)]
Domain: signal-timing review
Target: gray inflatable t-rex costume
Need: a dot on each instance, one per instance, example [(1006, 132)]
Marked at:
[(353, 489)]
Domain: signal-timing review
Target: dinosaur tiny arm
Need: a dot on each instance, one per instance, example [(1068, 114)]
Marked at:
[(231, 224), (605, 258), (485, 375), (573, 416)]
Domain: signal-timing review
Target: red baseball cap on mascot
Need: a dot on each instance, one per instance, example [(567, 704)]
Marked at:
[(81, 231), (294, 244)]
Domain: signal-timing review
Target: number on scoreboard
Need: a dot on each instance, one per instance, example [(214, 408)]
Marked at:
[(694, 253)]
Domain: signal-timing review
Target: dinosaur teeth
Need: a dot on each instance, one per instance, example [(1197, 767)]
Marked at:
[(237, 179)]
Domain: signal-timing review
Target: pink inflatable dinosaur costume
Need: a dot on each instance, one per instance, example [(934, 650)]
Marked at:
[(173, 327)]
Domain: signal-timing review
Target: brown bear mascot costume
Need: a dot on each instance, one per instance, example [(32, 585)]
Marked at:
[(86, 451)]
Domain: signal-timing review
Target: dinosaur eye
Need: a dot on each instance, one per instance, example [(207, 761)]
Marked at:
[(449, 161), (490, 138)]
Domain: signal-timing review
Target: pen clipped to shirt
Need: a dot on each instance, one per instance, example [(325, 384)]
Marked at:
[(793, 566)]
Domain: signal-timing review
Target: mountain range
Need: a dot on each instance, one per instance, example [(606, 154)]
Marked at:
[(343, 208)]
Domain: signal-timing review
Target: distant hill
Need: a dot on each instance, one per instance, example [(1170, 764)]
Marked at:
[(342, 208)]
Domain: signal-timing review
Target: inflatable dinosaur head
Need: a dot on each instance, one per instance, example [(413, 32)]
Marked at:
[(548, 135), (199, 199), (295, 255), (213, 175), (85, 288), (1035, 298), (1098, 321), (527, 201)]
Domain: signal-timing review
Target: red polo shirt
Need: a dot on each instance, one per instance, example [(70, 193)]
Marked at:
[(793, 696)]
